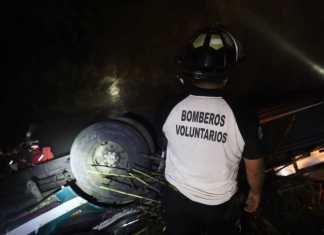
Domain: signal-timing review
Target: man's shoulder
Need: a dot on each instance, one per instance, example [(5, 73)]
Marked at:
[(245, 113), (240, 103), (243, 108)]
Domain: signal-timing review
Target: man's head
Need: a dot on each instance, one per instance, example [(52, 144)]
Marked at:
[(206, 60)]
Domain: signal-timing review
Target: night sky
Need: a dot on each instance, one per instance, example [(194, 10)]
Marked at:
[(70, 58)]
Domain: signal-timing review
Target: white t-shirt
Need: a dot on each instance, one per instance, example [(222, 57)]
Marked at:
[(204, 149)]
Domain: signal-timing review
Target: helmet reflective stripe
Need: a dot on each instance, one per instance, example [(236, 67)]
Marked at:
[(216, 42), (199, 42)]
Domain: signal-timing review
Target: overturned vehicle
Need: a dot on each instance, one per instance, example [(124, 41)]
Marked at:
[(109, 179)]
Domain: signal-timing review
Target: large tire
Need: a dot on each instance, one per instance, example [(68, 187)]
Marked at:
[(110, 147), (141, 129)]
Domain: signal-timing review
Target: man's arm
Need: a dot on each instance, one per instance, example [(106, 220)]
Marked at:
[(255, 175)]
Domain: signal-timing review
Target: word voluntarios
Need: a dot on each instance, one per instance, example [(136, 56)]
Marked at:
[(199, 132)]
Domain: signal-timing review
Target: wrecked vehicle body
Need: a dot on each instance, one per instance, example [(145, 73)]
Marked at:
[(111, 181)]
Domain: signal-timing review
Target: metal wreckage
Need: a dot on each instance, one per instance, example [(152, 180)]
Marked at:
[(112, 179)]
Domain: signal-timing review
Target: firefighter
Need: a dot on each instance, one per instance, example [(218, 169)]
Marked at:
[(208, 133)]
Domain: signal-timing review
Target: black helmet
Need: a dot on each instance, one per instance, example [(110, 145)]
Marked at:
[(209, 55)]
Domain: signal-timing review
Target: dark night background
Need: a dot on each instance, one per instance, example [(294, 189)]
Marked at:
[(88, 58), (70, 63)]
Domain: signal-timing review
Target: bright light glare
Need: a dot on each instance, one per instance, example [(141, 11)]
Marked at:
[(316, 157), (36, 223), (111, 85), (114, 89), (319, 69), (260, 26), (288, 170)]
